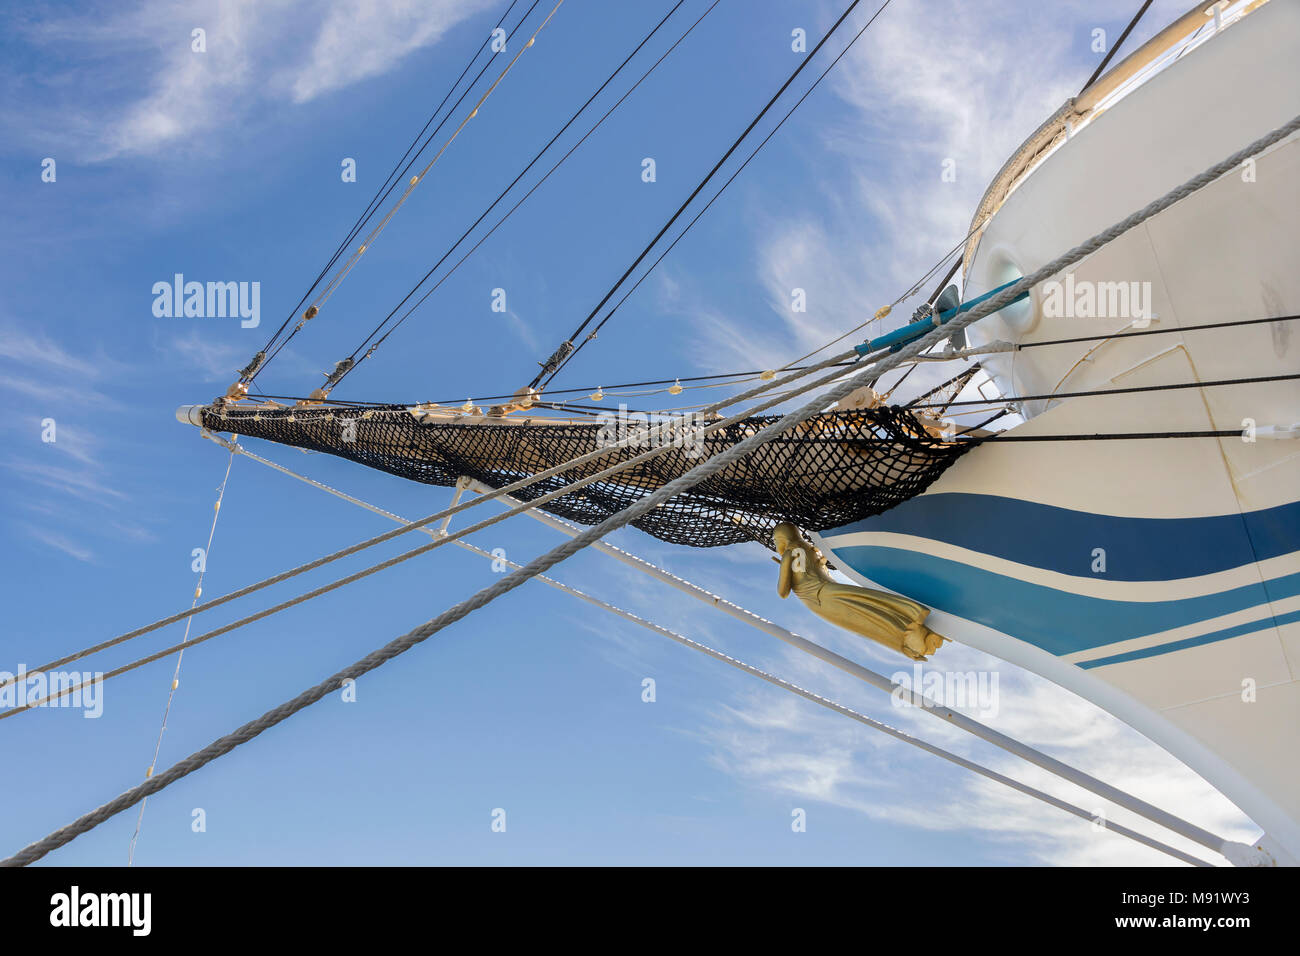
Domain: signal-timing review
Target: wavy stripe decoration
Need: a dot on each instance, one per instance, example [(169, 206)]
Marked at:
[(1062, 540), (1059, 622), (1223, 634)]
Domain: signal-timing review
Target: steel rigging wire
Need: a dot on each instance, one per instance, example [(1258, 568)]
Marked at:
[(567, 350), (382, 193), (501, 195), (420, 301)]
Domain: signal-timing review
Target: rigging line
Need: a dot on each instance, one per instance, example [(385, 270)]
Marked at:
[(445, 538), (534, 188), (589, 457), (902, 693), (573, 351), (419, 177), (952, 271), (757, 372), (1185, 328), (871, 370), (912, 291), (992, 418), (543, 563), (754, 671), (171, 691), (1117, 436), (947, 277), (696, 191), (575, 485), (966, 374), (571, 354), (347, 267), (1116, 391), (451, 403), (392, 178), (523, 483), (1115, 49), (600, 89), (901, 379), (751, 375), (634, 438), (508, 489)]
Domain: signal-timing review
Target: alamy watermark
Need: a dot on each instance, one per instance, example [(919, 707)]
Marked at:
[(640, 431), (971, 691), (210, 300), (1085, 299), (83, 689)]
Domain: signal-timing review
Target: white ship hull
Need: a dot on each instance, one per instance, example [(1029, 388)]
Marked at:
[(1158, 578)]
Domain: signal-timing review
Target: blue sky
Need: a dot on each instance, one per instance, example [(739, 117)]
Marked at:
[(225, 166)]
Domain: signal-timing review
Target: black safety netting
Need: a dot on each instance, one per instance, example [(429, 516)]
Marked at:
[(835, 469)]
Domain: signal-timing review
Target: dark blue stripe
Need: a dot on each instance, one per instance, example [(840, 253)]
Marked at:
[(1060, 622), (1251, 628), (1058, 539)]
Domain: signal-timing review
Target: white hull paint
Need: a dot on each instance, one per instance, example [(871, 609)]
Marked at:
[(1199, 600)]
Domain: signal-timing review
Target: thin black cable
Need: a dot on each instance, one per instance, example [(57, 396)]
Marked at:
[(1118, 43), (696, 191), (966, 374), (537, 185), (1114, 436), (563, 129), (1185, 328), (1174, 386), (1113, 50), (989, 420), (722, 375), (380, 195), (428, 140), (943, 283), (565, 361)]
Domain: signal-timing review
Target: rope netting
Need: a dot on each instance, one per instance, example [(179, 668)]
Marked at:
[(838, 468)]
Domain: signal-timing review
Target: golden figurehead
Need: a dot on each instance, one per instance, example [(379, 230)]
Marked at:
[(888, 619)]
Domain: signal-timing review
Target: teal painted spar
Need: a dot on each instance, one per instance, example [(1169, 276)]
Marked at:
[(896, 339)]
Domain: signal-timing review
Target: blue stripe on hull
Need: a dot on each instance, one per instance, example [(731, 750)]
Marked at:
[(1062, 540), (1241, 630), (1060, 622)]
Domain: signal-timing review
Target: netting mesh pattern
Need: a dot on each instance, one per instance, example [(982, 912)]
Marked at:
[(831, 471)]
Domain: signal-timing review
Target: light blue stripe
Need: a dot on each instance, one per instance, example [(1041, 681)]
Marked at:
[(1240, 630), (1060, 622)]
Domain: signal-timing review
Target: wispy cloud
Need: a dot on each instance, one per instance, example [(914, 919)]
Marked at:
[(356, 41), (214, 361), (59, 542), (966, 102), (26, 349), (782, 744), (56, 464), (80, 482), (139, 86), (774, 741)]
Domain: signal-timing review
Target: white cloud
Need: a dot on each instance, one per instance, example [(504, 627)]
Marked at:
[(781, 744), (60, 543), (215, 361), (356, 41), (140, 87), (26, 349), (80, 482), (929, 81)]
